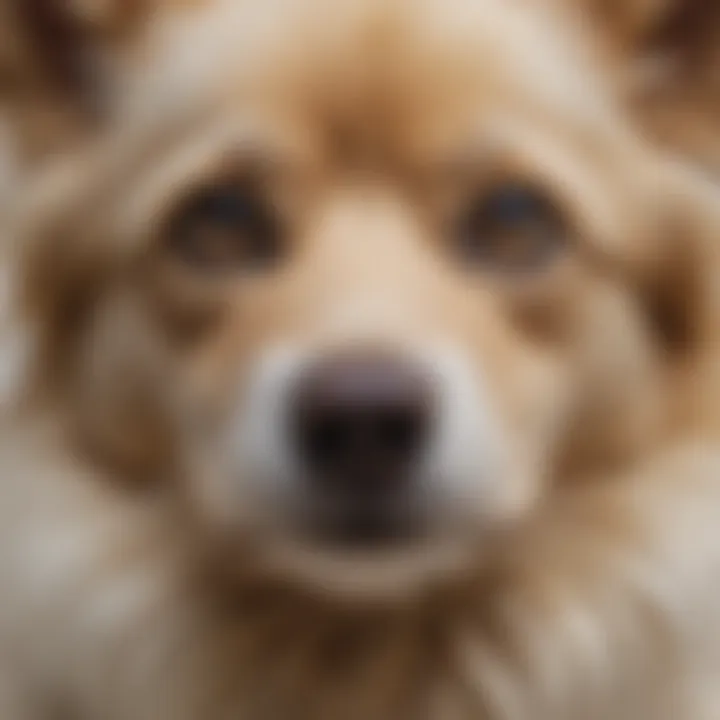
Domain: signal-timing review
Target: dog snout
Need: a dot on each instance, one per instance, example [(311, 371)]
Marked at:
[(363, 446), (362, 423)]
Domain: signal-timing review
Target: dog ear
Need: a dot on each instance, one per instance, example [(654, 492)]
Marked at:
[(667, 56), (65, 48), (680, 33)]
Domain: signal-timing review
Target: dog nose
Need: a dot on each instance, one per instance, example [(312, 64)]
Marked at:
[(363, 423)]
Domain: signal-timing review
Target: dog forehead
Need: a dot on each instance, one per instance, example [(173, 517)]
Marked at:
[(381, 61)]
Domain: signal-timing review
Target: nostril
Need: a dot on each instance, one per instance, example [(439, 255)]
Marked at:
[(330, 439), (360, 420), (401, 432), (325, 439)]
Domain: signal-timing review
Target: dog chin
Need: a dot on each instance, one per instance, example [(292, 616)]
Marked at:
[(381, 575)]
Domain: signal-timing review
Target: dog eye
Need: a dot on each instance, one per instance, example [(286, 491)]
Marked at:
[(514, 228), (226, 229)]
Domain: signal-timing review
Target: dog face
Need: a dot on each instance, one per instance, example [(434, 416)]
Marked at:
[(360, 295)]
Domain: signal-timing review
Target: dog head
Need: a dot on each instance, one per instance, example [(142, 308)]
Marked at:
[(361, 285)]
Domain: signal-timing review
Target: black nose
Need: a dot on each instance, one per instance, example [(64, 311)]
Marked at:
[(362, 423)]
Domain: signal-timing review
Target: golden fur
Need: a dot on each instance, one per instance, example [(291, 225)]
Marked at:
[(124, 596)]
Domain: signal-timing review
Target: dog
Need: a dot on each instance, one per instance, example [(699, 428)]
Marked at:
[(370, 370)]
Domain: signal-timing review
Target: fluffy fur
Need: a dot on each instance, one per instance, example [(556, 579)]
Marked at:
[(141, 581)]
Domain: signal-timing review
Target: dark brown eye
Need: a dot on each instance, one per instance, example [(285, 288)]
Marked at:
[(514, 229), (226, 228)]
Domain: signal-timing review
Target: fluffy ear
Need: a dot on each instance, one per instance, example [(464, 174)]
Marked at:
[(667, 54), (678, 34), (65, 40), (56, 59)]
